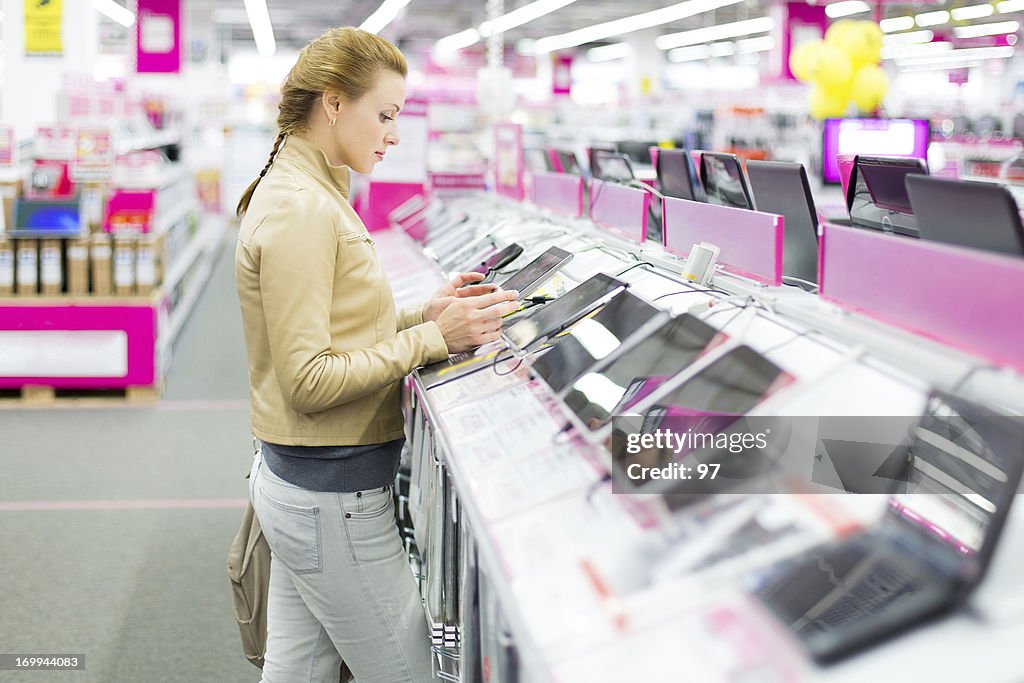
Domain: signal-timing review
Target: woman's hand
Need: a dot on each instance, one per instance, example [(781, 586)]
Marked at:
[(469, 322), (453, 290)]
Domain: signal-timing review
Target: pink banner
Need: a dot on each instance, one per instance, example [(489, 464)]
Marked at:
[(795, 23), (559, 192), (620, 208), (158, 36), (749, 242), (962, 297)]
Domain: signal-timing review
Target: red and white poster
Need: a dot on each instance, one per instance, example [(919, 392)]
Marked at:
[(6, 146), (94, 154), (158, 36)]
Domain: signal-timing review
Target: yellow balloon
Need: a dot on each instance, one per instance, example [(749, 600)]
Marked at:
[(835, 33), (870, 84), (832, 70), (861, 41), (824, 104), (802, 57)]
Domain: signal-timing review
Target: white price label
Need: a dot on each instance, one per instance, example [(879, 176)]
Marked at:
[(50, 271)]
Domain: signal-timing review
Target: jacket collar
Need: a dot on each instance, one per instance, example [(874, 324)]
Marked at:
[(312, 158)]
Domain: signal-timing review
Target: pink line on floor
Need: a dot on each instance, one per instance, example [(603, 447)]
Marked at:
[(151, 504)]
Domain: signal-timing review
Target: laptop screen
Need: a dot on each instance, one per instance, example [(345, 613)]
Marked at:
[(886, 181), (612, 166), (675, 174), (782, 188), (724, 183), (568, 161), (635, 372), (553, 317), (592, 339)]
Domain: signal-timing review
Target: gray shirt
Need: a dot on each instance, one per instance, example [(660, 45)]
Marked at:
[(335, 469)]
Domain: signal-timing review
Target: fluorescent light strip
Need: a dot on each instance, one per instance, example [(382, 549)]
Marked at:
[(689, 54), (912, 38), (993, 29), (962, 55), (629, 24), (762, 44), (846, 8), (457, 41), (898, 24), (262, 29), (607, 53), (724, 49), (113, 10), (972, 12), (932, 18), (908, 51), (385, 14), (695, 53), (711, 33), (1007, 6), (523, 15)]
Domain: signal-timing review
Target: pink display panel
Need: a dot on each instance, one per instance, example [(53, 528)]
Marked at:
[(139, 322), (749, 242), (620, 208), (559, 192), (158, 36), (962, 297), (381, 199)]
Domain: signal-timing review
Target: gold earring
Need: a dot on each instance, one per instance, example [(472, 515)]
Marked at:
[(334, 121)]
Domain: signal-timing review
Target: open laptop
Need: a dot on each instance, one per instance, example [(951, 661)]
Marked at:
[(782, 188), (931, 548), (677, 176), (634, 372), (527, 333), (594, 338), (724, 181), (970, 214), (877, 197), (613, 166)]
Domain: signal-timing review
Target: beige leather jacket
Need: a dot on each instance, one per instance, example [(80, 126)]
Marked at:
[(327, 350)]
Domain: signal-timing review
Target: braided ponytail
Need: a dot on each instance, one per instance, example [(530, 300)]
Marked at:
[(243, 203), (344, 60)]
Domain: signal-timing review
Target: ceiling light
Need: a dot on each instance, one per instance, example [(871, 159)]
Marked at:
[(457, 41), (993, 29), (385, 14), (972, 12), (113, 10), (1007, 6), (846, 8), (932, 18), (726, 49), (923, 50), (607, 53), (689, 54), (523, 15), (635, 22), (762, 44), (262, 30), (720, 32), (959, 56), (898, 24), (912, 38)]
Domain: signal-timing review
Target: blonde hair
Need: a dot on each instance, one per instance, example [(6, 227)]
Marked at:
[(345, 60)]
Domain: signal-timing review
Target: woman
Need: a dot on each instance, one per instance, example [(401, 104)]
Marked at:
[(327, 352)]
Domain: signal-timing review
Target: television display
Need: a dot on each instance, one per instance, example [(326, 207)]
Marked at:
[(887, 137)]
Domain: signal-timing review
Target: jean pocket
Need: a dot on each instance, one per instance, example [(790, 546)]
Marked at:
[(370, 525), (293, 532)]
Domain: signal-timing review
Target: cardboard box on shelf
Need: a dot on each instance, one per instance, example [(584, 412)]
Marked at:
[(51, 268), (6, 266), (8, 194), (27, 270), (124, 265), (101, 258), (77, 257)]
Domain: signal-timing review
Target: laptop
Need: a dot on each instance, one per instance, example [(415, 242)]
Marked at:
[(980, 215), (612, 166), (527, 333), (877, 197), (724, 181), (568, 162), (931, 548), (635, 372), (782, 188), (594, 338), (677, 176)]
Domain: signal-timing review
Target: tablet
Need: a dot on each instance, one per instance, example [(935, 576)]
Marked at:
[(534, 273)]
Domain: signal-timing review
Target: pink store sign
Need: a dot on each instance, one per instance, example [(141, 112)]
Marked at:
[(158, 36)]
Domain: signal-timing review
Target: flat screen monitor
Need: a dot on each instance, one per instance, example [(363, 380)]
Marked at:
[(611, 166), (550, 319), (980, 215), (889, 137), (724, 181), (593, 339), (782, 188), (47, 218), (677, 176)]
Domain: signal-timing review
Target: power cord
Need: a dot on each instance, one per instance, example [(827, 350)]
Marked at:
[(635, 265), (687, 291), (799, 281)]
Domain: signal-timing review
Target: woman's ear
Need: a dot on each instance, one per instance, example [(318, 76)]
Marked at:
[(331, 103)]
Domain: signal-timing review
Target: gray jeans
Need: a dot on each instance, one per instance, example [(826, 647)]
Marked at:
[(340, 586)]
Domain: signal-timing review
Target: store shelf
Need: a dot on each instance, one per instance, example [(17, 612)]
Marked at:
[(197, 263)]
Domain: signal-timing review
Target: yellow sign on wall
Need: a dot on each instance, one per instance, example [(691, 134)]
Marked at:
[(43, 27)]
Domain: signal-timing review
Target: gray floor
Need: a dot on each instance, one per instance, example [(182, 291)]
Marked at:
[(137, 585)]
